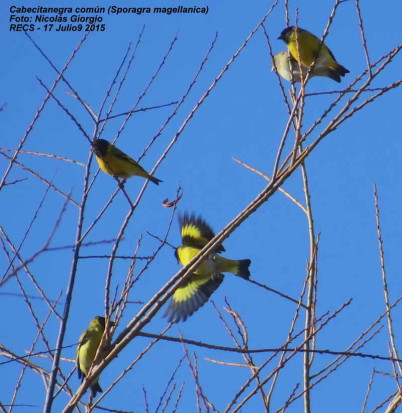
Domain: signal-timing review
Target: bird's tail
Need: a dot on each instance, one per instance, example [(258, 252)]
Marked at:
[(153, 179), (140, 171), (341, 70), (237, 267), (96, 388), (242, 268), (327, 72)]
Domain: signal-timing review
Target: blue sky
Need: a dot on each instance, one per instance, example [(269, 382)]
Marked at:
[(242, 118)]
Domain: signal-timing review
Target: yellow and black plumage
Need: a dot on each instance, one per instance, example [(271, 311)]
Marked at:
[(115, 162), (196, 289), (88, 344), (307, 48)]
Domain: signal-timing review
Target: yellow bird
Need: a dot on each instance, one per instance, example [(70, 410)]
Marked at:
[(195, 290), (88, 344), (286, 66), (115, 162), (307, 48)]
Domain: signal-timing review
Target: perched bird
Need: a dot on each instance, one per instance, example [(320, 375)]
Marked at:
[(285, 64), (307, 48), (195, 290), (116, 163), (88, 344)]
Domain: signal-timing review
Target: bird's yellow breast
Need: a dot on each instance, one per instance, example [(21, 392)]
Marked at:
[(186, 254), (212, 265), (114, 166), (87, 351)]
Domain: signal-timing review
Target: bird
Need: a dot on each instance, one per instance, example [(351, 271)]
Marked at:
[(194, 291), (115, 162), (88, 344), (286, 65), (307, 48)]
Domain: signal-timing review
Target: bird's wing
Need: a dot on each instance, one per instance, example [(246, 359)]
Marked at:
[(330, 53), (124, 157), (192, 294), (81, 341), (195, 232)]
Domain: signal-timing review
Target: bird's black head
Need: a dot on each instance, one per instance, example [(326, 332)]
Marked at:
[(286, 33), (100, 147), (100, 320)]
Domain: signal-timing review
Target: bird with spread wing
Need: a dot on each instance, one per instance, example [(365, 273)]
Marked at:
[(195, 290)]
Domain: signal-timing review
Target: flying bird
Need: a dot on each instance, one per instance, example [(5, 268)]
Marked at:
[(194, 291)]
